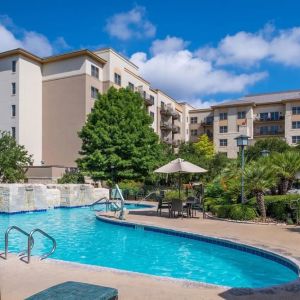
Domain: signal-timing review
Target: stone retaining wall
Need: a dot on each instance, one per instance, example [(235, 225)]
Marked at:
[(30, 197)]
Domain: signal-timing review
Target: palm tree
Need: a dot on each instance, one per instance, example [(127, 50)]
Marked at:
[(285, 165), (259, 179)]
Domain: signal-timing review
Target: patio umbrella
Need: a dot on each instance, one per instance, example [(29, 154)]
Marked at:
[(179, 165)]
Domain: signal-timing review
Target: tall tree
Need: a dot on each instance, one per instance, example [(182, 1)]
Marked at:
[(117, 139), (205, 147), (14, 159), (273, 145), (259, 179)]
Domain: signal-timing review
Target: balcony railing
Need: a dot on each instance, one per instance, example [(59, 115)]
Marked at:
[(166, 125), (167, 141), (269, 132), (268, 119), (207, 122), (166, 110), (175, 129), (148, 99), (176, 143)]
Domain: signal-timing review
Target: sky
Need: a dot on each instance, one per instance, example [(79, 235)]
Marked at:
[(199, 51)]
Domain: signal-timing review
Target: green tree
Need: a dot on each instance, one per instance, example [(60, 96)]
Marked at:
[(205, 147), (117, 139), (285, 165), (259, 178), (14, 159), (72, 176), (273, 145)]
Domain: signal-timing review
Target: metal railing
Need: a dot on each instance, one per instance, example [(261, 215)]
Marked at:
[(30, 242), (100, 201), (29, 248)]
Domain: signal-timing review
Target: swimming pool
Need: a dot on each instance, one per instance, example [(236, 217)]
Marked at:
[(128, 205), (84, 239)]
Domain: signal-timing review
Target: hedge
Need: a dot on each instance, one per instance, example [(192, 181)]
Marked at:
[(234, 211)]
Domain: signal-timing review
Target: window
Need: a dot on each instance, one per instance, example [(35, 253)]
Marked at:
[(223, 142), (13, 88), (223, 116), (295, 124), (94, 71), (194, 132), (94, 92), (296, 139), (162, 104), (223, 129), (241, 115), (14, 66), (296, 110), (263, 116), (274, 129), (152, 99), (263, 130), (194, 120), (117, 79), (274, 115), (131, 86), (13, 132), (13, 110), (152, 115)]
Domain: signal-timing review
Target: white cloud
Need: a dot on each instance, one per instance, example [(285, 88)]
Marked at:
[(169, 44), (12, 37), (285, 48), (248, 49), (131, 24), (188, 77)]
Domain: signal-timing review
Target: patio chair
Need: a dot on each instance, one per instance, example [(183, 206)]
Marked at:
[(162, 205), (177, 206), (195, 203), (73, 290)]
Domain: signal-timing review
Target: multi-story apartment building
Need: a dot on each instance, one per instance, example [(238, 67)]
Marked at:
[(44, 102), (257, 116)]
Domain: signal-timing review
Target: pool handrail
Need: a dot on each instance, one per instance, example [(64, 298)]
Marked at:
[(9, 229), (30, 237), (98, 202), (122, 216)]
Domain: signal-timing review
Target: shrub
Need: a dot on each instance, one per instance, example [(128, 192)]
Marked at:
[(72, 176), (214, 190), (172, 194), (130, 188), (278, 206), (209, 202), (242, 212)]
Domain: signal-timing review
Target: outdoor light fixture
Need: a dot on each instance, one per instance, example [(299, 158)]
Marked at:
[(265, 153), (241, 142)]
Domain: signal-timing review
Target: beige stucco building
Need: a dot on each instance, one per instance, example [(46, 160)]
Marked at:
[(44, 102)]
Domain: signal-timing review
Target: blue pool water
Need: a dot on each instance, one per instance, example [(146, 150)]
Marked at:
[(129, 206), (82, 238)]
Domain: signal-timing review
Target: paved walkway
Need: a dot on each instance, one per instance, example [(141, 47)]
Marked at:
[(19, 280)]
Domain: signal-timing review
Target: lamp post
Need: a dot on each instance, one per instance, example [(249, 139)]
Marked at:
[(264, 153), (241, 142)]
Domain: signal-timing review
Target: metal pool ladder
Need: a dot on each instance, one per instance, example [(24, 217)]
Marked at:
[(30, 242)]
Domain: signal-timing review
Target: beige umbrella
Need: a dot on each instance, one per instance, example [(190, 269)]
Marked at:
[(179, 165)]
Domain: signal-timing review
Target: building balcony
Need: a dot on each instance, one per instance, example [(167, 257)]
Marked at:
[(176, 143), (269, 119), (175, 115), (207, 122), (269, 133), (175, 129), (167, 141), (149, 101), (167, 111), (166, 126)]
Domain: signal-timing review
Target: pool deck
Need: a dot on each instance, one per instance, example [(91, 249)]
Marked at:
[(19, 280)]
